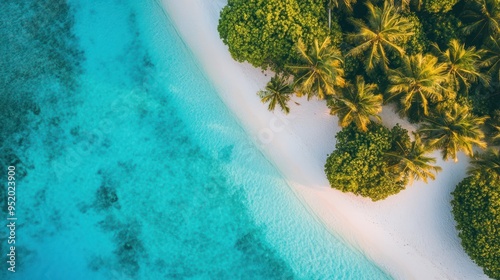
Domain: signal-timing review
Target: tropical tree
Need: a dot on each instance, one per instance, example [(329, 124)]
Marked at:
[(403, 5), (358, 103), (384, 31), (277, 92), (358, 163), (412, 161), (442, 28), (344, 5), (453, 130), (476, 209), (265, 33), (418, 42), (438, 6), (320, 70), (488, 162), (491, 59), (463, 65), (419, 82), (482, 19)]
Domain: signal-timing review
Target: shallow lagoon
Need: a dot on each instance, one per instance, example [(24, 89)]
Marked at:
[(132, 168)]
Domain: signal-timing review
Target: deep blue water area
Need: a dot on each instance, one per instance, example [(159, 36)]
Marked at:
[(129, 166)]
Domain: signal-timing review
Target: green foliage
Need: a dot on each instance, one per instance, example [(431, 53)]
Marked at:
[(480, 101), (383, 32), (491, 60), (417, 84), (343, 5), (418, 42), (495, 136), (358, 103), (412, 161), (453, 129), (482, 19), (359, 165), (463, 65), (352, 67), (439, 6), (319, 71), (265, 33), (476, 208), (442, 28), (386, 44), (277, 92), (487, 162)]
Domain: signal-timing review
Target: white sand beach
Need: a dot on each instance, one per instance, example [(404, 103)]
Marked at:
[(411, 235)]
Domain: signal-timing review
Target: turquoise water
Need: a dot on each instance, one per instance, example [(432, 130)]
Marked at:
[(130, 166)]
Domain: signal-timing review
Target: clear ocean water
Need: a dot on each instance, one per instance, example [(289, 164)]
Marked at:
[(128, 164)]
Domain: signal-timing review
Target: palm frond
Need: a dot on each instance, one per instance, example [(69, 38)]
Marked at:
[(383, 31), (358, 103), (277, 92), (453, 130), (320, 70)]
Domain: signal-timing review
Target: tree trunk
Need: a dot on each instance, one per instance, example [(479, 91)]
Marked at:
[(329, 19)]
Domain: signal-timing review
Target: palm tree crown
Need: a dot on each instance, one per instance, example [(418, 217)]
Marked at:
[(384, 31), (277, 92), (358, 103), (492, 58), (463, 64), (413, 162), (453, 130), (488, 162), (418, 82), (320, 70), (483, 19), (344, 5)]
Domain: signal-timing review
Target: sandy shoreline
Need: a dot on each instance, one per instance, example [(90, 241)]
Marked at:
[(411, 235)]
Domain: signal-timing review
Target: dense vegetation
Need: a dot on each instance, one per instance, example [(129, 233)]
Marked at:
[(377, 162), (476, 207), (438, 61), (358, 163), (265, 33)]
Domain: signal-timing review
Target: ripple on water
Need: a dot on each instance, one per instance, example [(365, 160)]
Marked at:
[(127, 174)]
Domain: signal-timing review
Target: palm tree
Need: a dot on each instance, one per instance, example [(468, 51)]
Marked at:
[(384, 31), (488, 162), (320, 70), (483, 19), (491, 59), (495, 135), (419, 82), (404, 5), (463, 65), (358, 103), (344, 5), (277, 92), (413, 162), (453, 130)]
